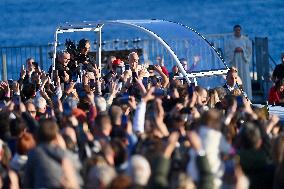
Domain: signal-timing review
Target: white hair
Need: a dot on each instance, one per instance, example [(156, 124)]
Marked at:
[(100, 175), (101, 104), (139, 170), (131, 54), (40, 102)]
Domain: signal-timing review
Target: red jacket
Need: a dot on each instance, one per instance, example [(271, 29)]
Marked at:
[(274, 96)]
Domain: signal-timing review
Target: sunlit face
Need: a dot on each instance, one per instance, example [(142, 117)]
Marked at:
[(133, 60), (31, 109), (237, 31), (203, 96), (65, 58), (281, 89), (232, 79), (86, 49), (30, 65)]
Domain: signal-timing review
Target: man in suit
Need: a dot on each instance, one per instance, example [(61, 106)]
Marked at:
[(233, 82)]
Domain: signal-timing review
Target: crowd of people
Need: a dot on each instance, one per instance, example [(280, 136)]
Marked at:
[(129, 126)]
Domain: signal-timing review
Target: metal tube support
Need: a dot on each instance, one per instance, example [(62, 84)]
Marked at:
[(4, 67), (167, 47), (54, 53), (40, 57), (99, 48)]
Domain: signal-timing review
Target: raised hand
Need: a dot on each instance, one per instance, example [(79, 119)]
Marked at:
[(70, 88), (16, 87), (149, 95), (43, 93), (23, 72), (158, 68), (194, 140), (172, 141), (113, 88), (5, 86), (91, 97), (97, 71), (66, 77)]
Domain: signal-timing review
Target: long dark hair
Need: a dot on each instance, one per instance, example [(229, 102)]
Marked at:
[(279, 83), (82, 44)]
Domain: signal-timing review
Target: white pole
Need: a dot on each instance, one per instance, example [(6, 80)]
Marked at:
[(99, 48), (54, 53), (4, 67)]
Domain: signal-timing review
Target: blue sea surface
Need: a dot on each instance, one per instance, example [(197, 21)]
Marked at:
[(25, 22)]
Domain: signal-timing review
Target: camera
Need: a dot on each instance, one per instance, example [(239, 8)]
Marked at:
[(151, 67), (92, 83), (154, 80)]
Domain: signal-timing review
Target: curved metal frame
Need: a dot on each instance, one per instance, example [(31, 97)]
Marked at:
[(100, 24)]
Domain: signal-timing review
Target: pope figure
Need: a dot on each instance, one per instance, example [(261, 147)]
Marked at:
[(238, 54)]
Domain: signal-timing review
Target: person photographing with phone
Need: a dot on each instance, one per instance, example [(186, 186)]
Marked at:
[(88, 62), (233, 82), (27, 71), (61, 68)]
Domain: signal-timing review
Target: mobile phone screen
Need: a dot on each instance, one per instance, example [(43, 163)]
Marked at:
[(159, 92), (145, 81), (92, 83), (74, 78), (151, 67)]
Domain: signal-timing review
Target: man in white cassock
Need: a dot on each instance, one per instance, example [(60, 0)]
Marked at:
[(238, 54)]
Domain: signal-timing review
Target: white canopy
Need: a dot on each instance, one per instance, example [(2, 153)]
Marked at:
[(203, 57)]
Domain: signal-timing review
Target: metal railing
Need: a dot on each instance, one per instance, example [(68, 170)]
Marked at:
[(15, 56)]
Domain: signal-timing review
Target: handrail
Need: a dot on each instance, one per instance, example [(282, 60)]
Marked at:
[(28, 46), (270, 57), (218, 35)]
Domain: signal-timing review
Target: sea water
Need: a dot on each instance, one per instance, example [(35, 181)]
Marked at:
[(26, 22)]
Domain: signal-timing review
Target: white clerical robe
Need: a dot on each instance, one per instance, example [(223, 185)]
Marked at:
[(240, 60)]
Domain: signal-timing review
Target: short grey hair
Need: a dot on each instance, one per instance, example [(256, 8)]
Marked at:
[(131, 54), (40, 102), (139, 170), (101, 104), (100, 175)]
